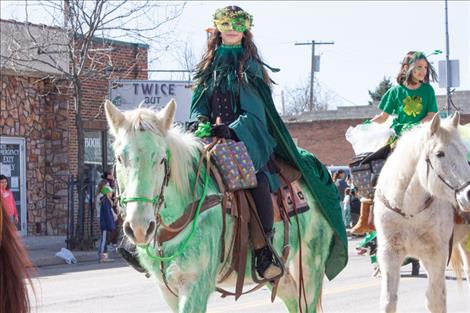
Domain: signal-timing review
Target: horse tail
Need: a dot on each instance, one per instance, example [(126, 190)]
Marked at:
[(14, 264), (456, 262)]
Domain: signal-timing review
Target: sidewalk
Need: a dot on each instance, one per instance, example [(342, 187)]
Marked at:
[(42, 250)]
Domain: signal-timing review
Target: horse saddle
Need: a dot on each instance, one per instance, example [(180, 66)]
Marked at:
[(289, 200)]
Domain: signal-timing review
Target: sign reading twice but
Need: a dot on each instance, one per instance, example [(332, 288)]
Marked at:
[(129, 94)]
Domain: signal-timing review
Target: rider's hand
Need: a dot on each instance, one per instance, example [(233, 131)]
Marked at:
[(221, 131)]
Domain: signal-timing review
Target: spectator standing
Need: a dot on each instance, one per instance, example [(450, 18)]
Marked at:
[(347, 208), (8, 200)]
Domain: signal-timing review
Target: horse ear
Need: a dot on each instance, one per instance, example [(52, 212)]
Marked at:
[(167, 114), (435, 124), (114, 116), (456, 119)]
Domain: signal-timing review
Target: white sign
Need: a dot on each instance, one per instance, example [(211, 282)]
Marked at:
[(129, 94), (454, 69), (5, 169), (15, 182)]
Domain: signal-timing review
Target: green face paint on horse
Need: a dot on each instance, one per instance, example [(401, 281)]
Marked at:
[(147, 146)]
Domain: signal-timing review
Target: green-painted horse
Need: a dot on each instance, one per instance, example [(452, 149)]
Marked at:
[(146, 146)]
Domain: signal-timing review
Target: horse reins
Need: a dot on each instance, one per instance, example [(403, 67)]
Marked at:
[(427, 203), (429, 199)]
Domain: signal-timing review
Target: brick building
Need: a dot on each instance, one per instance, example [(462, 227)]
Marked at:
[(38, 134), (323, 133)]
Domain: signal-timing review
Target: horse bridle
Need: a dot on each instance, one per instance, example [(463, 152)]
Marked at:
[(158, 200), (429, 199), (454, 189)]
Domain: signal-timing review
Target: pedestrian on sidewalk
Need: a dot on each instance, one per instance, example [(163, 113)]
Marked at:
[(8, 200), (107, 219), (347, 208), (113, 237)]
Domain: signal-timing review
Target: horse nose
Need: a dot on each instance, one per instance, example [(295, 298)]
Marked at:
[(139, 234), (463, 199)]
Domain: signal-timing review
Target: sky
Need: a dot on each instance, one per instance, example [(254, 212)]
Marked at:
[(370, 40)]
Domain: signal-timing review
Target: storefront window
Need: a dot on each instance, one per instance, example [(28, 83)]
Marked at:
[(93, 147)]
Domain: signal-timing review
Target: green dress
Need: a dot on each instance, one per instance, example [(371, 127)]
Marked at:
[(410, 106), (260, 127)]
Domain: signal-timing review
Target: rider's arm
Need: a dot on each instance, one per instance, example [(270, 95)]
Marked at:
[(428, 117), (380, 118)]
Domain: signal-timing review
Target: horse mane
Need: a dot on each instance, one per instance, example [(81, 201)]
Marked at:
[(14, 264), (183, 146)]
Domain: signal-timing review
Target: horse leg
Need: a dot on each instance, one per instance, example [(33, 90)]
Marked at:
[(466, 261), (313, 269), (435, 266), (389, 262), (170, 298), (193, 296), (287, 292)]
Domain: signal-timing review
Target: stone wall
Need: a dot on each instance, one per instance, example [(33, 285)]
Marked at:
[(30, 108)]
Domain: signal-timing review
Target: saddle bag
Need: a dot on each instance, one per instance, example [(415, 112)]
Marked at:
[(365, 170), (284, 204), (233, 163)]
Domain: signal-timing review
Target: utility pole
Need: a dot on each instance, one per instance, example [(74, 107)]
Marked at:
[(312, 69), (447, 61)]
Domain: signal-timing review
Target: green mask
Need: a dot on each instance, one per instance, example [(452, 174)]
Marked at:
[(226, 20)]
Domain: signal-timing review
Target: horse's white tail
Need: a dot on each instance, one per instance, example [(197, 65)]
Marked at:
[(456, 263)]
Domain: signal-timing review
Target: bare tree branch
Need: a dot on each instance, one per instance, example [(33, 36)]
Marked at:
[(69, 50)]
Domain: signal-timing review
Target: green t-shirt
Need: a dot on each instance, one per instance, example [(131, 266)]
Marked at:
[(410, 106)]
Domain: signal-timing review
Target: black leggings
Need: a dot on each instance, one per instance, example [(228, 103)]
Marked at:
[(264, 206)]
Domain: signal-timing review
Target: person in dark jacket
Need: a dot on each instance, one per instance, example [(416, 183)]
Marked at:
[(107, 221)]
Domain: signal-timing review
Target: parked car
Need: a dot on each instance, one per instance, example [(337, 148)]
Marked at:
[(334, 168)]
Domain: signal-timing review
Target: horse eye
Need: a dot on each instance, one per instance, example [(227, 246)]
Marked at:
[(440, 154), (119, 159)]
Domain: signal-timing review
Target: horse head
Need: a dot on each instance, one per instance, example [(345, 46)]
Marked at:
[(442, 167), (142, 165)]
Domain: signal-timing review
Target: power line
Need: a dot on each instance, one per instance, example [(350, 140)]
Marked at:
[(312, 69)]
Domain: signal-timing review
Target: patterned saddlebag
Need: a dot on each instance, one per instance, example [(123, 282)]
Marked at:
[(365, 170), (234, 164)]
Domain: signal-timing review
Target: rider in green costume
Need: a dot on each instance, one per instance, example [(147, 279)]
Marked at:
[(238, 90), (229, 75)]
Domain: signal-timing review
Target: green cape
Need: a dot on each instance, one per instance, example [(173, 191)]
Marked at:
[(258, 110)]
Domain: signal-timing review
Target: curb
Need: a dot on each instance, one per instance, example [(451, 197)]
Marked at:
[(81, 256)]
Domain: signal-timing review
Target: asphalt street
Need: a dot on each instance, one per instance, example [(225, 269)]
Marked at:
[(90, 287)]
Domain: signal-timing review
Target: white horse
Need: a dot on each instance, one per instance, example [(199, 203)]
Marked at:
[(422, 182)]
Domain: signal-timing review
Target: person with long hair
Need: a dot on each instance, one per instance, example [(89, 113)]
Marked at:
[(8, 200), (14, 268), (413, 101), (233, 86)]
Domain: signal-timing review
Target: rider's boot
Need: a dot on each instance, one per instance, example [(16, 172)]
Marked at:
[(265, 265), (363, 225)]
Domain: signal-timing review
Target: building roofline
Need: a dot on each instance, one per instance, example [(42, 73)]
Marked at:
[(121, 43), (102, 39)]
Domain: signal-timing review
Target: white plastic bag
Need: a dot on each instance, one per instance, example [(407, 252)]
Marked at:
[(369, 137), (66, 255)]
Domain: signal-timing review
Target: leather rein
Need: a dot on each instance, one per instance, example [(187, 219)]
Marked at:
[(429, 200)]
